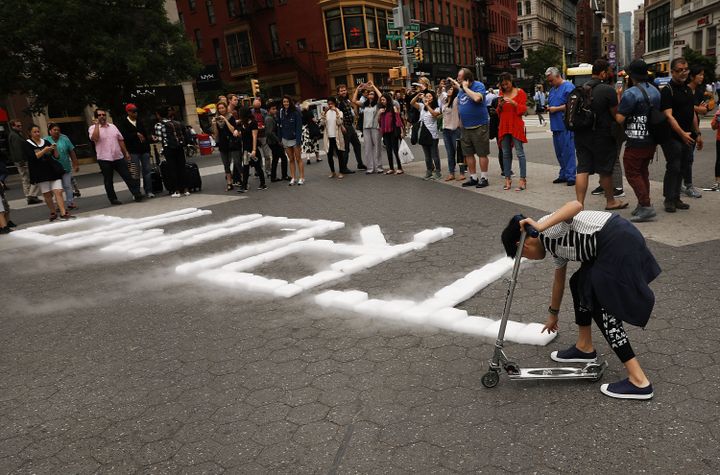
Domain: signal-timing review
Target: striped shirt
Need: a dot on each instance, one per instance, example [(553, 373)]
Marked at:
[(577, 240)]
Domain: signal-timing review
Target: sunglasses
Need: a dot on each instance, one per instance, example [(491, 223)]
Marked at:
[(681, 70), (101, 115)]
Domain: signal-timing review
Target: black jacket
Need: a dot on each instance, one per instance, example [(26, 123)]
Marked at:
[(129, 133)]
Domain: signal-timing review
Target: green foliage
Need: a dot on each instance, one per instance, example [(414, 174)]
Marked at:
[(540, 59), (71, 52), (708, 62)]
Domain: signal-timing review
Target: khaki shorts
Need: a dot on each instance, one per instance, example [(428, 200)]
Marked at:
[(475, 141)]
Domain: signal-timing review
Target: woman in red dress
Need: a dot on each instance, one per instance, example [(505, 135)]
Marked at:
[(512, 105)]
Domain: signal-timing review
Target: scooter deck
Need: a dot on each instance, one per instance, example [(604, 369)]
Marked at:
[(593, 371)]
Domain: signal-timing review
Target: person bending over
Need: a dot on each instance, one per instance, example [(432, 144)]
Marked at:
[(610, 287)]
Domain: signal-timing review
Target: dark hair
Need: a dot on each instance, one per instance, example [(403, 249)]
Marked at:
[(270, 105), (32, 126), (511, 235), (52, 125), (162, 112), (290, 101), (695, 69), (95, 112), (434, 103), (506, 77), (374, 102), (245, 115), (340, 85), (676, 61), (332, 99), (600, 66)]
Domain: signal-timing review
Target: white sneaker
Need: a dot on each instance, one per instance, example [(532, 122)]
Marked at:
[(292, 182), (175, 195), (301, 181), (150, 195), (187, 193)]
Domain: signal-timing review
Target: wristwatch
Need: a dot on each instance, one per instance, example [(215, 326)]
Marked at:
[(553, 311)]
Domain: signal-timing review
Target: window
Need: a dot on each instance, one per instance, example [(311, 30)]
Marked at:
[(192, 4), (301, 44), (658, 27), (457, 50), (711, 40), (243, 7), (238, 48), (462, 18), (198, 39), (333, 23), (382, 29), (455, 12), (210, 11), (447, 12), (698, 40), (354, 27), (340, 80), (182, 19), (528, 31), (274, 41), (218, 53), (439, 11), (519, 6), (370, 25), (432, 11), (421, 11), (232, 11), (528, 8)]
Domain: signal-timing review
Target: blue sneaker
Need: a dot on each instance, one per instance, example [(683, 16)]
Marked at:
[(626, 390), (573, 355)]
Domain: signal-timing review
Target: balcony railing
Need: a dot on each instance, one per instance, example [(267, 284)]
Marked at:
[(693, 6)]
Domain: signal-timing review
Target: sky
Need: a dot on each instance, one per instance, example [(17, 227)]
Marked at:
[(629, 5)]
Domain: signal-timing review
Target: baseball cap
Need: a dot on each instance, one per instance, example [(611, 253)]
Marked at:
[(638, 70), (130, 107)]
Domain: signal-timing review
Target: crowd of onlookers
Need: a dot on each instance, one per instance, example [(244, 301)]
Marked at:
[(461, 111)]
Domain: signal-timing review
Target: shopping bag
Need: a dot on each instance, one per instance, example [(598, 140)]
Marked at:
[(406, 156)]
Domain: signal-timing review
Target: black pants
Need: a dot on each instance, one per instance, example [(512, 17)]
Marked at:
[(392, 147), (610, 326), (175, 169), (257, 165), (678, 158), (351, 138), (121, 167), (278, 154), (334, 150)]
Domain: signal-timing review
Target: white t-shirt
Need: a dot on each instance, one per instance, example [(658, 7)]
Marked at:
[(331, 121), (428, 121)]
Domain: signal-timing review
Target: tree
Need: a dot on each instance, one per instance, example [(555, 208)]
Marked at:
[(709, 63), (539, 60), (70, 52)]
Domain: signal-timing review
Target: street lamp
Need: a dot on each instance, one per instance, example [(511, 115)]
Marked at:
[(434, 28)]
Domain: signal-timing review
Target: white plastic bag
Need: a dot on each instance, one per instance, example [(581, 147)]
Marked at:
[(406, 156)]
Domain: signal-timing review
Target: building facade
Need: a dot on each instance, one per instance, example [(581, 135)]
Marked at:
[(695, 25), (638, 35), (625, 39), (544, 22), (588, 32), (658, 34)]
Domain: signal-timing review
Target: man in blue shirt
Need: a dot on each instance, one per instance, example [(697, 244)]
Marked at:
[(474, 116), (633, 111), (563, 140)]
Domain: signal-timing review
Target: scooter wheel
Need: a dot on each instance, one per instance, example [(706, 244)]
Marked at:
[(490, 379)]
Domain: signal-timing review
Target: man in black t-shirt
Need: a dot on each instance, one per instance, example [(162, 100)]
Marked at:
[(596, 147), (678, 103)]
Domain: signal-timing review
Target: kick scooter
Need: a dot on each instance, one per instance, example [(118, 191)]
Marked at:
[(591, 371)]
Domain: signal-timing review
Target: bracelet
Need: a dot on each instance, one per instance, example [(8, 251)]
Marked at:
[(554, 311)]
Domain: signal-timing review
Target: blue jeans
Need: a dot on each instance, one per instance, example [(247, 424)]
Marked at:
[(67, 187), (564, 143), (142, 161), (450, 137), (507, 141)]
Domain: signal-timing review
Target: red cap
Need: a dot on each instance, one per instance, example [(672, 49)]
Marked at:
[(130, 107)]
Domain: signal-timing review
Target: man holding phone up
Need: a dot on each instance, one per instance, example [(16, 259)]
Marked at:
[(677, 101)]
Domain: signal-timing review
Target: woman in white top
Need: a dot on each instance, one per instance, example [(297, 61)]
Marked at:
[(333, 139), (451, 128), (371, 131), (429, 137)]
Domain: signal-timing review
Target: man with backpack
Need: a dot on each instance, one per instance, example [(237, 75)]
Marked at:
[(634, 111), (678, 103), (563, 139), (170, 134), (590, 113)]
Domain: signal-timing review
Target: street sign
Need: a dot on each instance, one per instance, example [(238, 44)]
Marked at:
[(393, 37), (391, 26), (514, 43), (413, 27), (502, 56), (412, 42)]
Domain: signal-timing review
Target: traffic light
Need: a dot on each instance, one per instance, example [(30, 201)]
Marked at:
[(409, 35), (394, 73), (403, 72), (255, 87), (418, 54)]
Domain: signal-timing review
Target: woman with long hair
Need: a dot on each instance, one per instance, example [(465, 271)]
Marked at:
[(451, 127), (333, 137), (46, 172), (512, 105), (223, 128), (429, 137), (249, 135), (371, 133), (390, 129), (290, 125)]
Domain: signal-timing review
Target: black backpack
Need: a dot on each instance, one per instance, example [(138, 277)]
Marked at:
[(657, 122), (579, 115), (174, 134)]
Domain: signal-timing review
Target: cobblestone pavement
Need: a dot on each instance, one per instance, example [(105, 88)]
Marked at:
[(125, 367)]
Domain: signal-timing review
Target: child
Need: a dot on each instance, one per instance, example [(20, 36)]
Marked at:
[(610, 287)]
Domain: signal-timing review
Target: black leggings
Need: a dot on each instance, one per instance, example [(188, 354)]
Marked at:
[(392, 146), (257, 165), (334, 150), (610, 326)]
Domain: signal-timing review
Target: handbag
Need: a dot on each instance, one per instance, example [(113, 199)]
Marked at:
[(657, 123), (414, 133), (133, 169), (406, 155), (425, 137), (57, 168)]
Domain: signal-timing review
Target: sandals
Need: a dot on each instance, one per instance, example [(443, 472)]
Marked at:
[(389, 172), (508, 184), (523, 185), (53, 216), (622, 205), (399, 172), (229, 187)]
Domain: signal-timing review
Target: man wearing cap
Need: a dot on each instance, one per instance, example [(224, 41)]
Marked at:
[(633, 111), (563, 139), (137, 142)]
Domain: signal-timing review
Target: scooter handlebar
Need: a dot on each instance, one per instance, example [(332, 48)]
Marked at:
[(531, 231)]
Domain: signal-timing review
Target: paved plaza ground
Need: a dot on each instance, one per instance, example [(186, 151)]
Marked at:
[(112, 364)]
